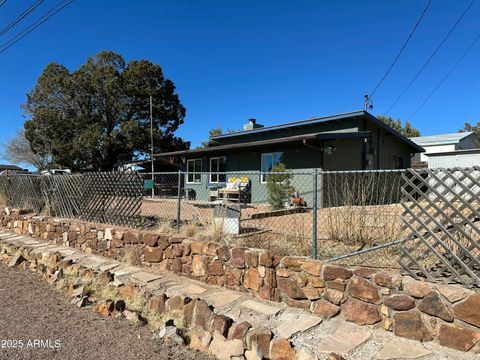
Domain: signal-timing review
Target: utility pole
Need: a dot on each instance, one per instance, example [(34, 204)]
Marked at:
[(151, 144)]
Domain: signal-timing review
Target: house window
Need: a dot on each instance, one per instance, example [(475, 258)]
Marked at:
[(194, 171), (268, 162), (397, 162), (218, 169)]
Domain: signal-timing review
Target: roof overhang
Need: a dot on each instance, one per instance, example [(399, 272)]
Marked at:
[(284, 142)]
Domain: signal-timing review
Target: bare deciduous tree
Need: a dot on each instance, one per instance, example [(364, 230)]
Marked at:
[(17, 150)]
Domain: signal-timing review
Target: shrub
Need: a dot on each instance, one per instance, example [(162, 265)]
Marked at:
[(279, 186)]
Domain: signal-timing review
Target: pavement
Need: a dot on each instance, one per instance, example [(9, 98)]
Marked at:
[(305, 331)]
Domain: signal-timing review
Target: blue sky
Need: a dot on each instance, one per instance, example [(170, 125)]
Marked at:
[(275, 61)]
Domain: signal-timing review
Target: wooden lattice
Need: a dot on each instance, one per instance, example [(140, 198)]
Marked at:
[(441, 215), (111, 198)]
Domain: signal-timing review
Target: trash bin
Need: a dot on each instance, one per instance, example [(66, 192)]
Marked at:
[(227, 216)]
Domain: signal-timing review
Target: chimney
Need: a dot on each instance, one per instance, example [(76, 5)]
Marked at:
[(252, 124)]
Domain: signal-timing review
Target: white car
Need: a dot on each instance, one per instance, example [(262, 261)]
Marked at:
[(56, 172)]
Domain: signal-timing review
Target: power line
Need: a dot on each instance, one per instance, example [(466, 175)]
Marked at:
[(21, 17), (403, 48), (472, 44), (431, 56), (57, 8)]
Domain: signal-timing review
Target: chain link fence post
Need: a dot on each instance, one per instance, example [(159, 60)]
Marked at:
[(179, 199), (314, 214)]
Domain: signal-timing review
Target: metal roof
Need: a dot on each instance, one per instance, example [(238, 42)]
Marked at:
[(315, 120), (267, 143), (441, 139)]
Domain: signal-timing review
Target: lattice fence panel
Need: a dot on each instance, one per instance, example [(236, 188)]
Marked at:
[(23, 191), (441, 212)]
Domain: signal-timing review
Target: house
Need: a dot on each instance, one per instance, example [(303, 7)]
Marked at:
[(349, 141), (11, 169), (444, 143), (457, 158)]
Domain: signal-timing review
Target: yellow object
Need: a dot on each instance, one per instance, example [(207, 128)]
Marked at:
[(241, 179)]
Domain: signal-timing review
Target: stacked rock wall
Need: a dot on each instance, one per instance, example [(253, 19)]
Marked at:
[(412, 309)]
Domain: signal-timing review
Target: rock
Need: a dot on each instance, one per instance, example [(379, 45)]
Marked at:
[(16, 260), (223, 253), (363, 290), (410, 325), (80, 302), (251, 258), (401, 349), (334, 296), (468, 310), (331, 272), (221, 324), (79, 291), (417, 289), (259, 338), (163, 242), (133, 317), (169, 333), (365, 272), (153, 254), (251, 279), (198, 266), (157, 303), (303, 354), (225, 349), (292, 263), (433, 305), (312, 267), (458, 338), (238, 258), (266, 259), (281, 349), (150, 239), (176, 304), (202, 315), (239, 331), (400, 302), (453, 293), (333, 356), (312, 293), (344, 340), (120, 305), (200, 339), (325, 309), (360, 313), (336, 284), (104, 308), (384, 279), (215, 268), (289, 288), (253, 354), (131, 237)]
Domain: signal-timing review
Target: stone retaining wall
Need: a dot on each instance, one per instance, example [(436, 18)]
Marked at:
[(450, 314)]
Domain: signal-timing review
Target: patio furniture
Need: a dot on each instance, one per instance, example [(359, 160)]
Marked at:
[(237, 190)]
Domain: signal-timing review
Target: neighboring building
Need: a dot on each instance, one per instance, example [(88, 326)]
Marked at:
[(444, 143), (11, 169), (451, 159), (349, 141)]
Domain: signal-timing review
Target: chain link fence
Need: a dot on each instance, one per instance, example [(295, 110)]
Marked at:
[(320, 213), (334, 216)]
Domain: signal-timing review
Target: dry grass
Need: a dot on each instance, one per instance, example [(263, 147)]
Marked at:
[(132, 256), (190, 229), (164, 227), (3, 199)]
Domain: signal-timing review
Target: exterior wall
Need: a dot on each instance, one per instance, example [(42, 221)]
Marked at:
[(407, 307), (450, 161), (467, 143), (432, 149)]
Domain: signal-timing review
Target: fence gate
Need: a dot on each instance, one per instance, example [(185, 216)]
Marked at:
[(441, 217)]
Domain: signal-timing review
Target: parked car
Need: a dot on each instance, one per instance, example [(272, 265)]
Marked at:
[(56, 172)]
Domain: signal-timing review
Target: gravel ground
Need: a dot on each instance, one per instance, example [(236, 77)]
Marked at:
[(33, 310)]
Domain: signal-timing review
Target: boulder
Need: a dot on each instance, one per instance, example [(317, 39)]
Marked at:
[(238, 258), (153, 254), (400, 302), (312, 267), (469, 310), (251, 279), (361, 313), (332, 272), (410, 325), (259, 338), (281, 349), (325, 309), (200, 339), (417, 289), (225, 349), (458, 338), (433, 305), (290, 288), (363, 290)]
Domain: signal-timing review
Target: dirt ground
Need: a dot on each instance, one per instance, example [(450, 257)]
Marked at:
[(33, 310)]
